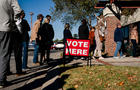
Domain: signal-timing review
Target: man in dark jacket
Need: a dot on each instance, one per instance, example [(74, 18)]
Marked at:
[(118, 38), (46, 33), (25, 40), (83, 30)]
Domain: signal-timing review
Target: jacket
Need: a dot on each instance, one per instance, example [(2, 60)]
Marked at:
[(67, 35), (83, 32), (46, 33), (118, 35), (25, 28), (8, 10), (35, 30), (92, 37)]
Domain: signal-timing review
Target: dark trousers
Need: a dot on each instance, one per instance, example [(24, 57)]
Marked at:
[(92, 48), (42, 53), (4, 54), (16, 45), (134, 44)]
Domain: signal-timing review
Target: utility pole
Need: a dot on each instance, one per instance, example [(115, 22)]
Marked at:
[(31, 13)]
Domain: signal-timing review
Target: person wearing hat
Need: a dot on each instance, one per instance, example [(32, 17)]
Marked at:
[(34, 37)]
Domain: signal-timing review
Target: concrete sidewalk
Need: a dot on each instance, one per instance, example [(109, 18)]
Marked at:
[(47, 77)]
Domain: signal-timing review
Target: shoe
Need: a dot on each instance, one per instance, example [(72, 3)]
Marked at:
[(93, 58), (116, 57), (101, 58), (21, 73), (123, 56), (36, 64), (82, 58), (9, 73), (3, 84)]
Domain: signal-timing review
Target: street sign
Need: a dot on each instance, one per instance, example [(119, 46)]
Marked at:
[(76, 47)]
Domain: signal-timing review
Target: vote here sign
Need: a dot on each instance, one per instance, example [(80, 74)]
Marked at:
[(77, 47)]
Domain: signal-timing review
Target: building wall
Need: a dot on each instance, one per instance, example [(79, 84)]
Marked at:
[(110, 45)]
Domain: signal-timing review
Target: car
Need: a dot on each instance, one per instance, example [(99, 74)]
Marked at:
[(53, 46), (31, 46), (59, 45)]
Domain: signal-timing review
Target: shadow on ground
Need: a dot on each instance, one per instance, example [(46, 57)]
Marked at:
[(51, 73)]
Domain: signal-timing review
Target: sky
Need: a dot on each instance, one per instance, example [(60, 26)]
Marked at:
[(43, 7)]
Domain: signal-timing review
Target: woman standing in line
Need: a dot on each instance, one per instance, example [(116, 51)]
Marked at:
[(134, 38), (98, 49), (92, 40), (67, 35)]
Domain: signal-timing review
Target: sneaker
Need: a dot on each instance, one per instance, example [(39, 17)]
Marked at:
[(21, 73), (82, 58), (93, 57), (116, 57), (101, 58), (36, 64), (3, 84), (123, 56)]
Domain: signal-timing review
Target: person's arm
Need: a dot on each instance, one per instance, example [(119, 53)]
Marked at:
[(16, 8), (137, 37), (52, 33)]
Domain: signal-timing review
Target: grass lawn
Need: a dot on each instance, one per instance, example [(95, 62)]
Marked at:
[(102, 78)]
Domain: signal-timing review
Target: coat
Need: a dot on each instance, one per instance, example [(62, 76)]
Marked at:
[(83, 32), (34, 30)]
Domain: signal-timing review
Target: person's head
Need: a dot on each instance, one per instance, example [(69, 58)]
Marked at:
[(67, 26), (90, 27), (40, 17), (93, 28), (22, 14), (97, 27), (119, 25), (48, 17), (135, 27), (84, 22)]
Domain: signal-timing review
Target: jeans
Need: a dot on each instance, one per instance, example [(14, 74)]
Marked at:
[(25, 54), (36, 49), (118, 49), (134, 47)]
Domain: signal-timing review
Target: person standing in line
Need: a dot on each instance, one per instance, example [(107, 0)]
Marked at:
[(46, 33), (25, 40), (9, 9), (98, 49), (134, 39), (92, 40), (83, 32), (34, 37), (118, 38), (67, 35)]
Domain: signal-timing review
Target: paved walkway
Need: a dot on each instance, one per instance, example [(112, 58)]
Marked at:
[(47, 77)]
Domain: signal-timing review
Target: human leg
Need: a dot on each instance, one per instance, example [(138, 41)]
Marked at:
[(4, 55), (134, 47), (18, 55), (118, 47), (36, 47), (25, 54)]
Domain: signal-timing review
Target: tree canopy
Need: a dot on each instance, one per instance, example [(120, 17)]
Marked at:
[(72, 11)]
